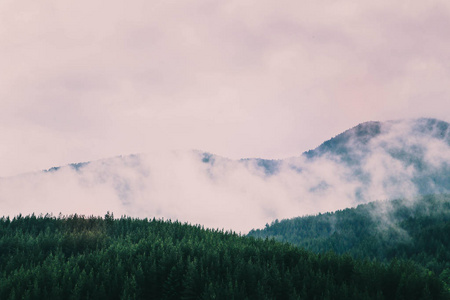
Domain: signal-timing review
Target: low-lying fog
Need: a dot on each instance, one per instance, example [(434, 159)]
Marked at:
[(199, 188)]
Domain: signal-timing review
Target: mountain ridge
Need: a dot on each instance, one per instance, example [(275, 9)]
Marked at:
[(364, 132), (371, 161)]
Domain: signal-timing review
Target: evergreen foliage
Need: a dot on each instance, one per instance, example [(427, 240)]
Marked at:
[(417, 230), (77, 257)]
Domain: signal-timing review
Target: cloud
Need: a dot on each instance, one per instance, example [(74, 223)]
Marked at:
[(84, 80)]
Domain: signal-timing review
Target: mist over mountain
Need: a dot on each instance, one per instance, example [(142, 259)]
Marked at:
[(372, 161), (382, 231), (417, 149)]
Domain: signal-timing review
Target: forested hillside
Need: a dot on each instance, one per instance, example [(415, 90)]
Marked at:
[(105, 258), (416, 230)]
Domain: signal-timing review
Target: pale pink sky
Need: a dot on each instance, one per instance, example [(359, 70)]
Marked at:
[(83, 80)]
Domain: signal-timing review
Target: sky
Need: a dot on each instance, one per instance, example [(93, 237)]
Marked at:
[(85, 80)]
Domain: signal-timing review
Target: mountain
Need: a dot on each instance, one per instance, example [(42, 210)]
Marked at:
[(416, 230), (418, 147), (372, 161), (360, 136)]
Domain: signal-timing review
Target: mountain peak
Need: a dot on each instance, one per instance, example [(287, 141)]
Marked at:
[(360, 135)]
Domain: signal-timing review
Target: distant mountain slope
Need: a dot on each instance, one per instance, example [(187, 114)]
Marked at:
[(374, 160), (418, 230), (418, 148), (358, 138)]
